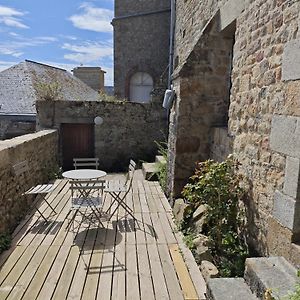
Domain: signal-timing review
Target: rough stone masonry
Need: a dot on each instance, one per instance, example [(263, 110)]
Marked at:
[(237, 67)]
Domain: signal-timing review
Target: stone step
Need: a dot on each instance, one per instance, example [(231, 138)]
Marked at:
[(149, 171), (160, 159), (228, 289), (274, 274)]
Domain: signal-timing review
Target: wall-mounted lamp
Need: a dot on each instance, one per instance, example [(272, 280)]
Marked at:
[(98, 120), (168, 99)]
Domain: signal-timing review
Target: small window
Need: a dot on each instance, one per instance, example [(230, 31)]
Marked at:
[(141, 85)]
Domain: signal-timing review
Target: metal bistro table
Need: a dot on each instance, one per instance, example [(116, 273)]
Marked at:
[(83, 174), (87, 183)]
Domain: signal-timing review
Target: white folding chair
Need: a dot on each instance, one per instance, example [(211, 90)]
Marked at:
[(86, 199), (86, 162), (116, 188), (22, 169)]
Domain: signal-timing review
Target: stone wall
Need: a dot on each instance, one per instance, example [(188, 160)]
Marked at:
[(202, 88), (264, 88), (14, 126), (40, 151), (141, 41), (128, 130), (91, 76)]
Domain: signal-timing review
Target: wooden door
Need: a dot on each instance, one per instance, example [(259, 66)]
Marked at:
[(77, 141)]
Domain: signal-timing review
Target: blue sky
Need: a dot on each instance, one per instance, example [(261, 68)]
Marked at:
[(63, 33)]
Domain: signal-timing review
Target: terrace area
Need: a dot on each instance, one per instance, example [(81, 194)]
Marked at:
[(124, 259)]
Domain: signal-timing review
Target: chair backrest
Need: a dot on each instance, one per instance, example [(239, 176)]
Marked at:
[(86, 162), (131, 169), (20, 168), (82, 188)]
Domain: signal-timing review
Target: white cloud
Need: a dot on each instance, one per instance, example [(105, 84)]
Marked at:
[(88, 52), (9, 17), (93, 18), (15, 47)]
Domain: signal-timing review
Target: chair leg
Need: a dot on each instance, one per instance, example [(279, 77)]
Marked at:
[(49, 205)]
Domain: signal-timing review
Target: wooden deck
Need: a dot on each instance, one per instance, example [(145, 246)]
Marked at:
[(122, 260)]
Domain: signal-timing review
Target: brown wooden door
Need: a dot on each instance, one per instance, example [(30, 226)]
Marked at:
[(77, 141)]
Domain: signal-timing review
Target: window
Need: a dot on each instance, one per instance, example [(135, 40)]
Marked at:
[(141, 85)]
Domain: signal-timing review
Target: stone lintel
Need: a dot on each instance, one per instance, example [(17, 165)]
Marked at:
[(291, 61), (231, 11), (285, 211), (285, 135), (291, 179)]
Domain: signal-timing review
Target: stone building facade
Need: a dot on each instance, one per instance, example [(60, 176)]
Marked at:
[(91, 76), (129, 130), (237, 67), (141, 45)]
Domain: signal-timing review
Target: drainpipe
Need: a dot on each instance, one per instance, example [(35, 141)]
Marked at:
[(171, 50)]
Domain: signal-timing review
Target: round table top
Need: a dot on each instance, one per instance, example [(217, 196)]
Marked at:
[(83, 174)]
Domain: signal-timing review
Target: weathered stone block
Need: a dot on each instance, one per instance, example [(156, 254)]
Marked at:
[(273, 273), (278, 239), (228, 288), (231, 11), (285, 211), (291, 61), (291, 179), (208, 270), (179, 209), (285, 135)]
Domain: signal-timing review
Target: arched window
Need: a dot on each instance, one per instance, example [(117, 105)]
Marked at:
[(141, 85)]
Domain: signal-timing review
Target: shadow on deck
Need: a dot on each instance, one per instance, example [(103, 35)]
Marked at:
[(124, 259)]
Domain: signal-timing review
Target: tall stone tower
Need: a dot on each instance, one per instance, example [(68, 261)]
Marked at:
[(141, 47)]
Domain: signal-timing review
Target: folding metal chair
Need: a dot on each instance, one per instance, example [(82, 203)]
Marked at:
[(86, 162), (116, 188), (21, 169), (86, 199)]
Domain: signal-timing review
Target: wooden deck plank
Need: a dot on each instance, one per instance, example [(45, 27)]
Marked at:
[(126, 259), (82, 268), (107, 265), (132, 281), (185, 280), (8, 284), (169, 272), (11, 261), (41, 274), (118, 291), (28, 274), (146, 284), (168, 231), (54, 274), (160, 288), (65, 279), (158, 228)]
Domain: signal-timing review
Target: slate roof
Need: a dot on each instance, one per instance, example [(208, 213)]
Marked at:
[(20, 86)]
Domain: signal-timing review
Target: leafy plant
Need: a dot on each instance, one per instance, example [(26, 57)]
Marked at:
[(218, 186), (104, 97), (48, 91), (5, 241)]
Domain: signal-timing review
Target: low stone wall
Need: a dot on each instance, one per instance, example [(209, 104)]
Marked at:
[(129, 130), (14, 126), (40, 151)]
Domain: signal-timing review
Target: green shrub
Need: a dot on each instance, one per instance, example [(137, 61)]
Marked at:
[(218, 186), (5, 241)]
